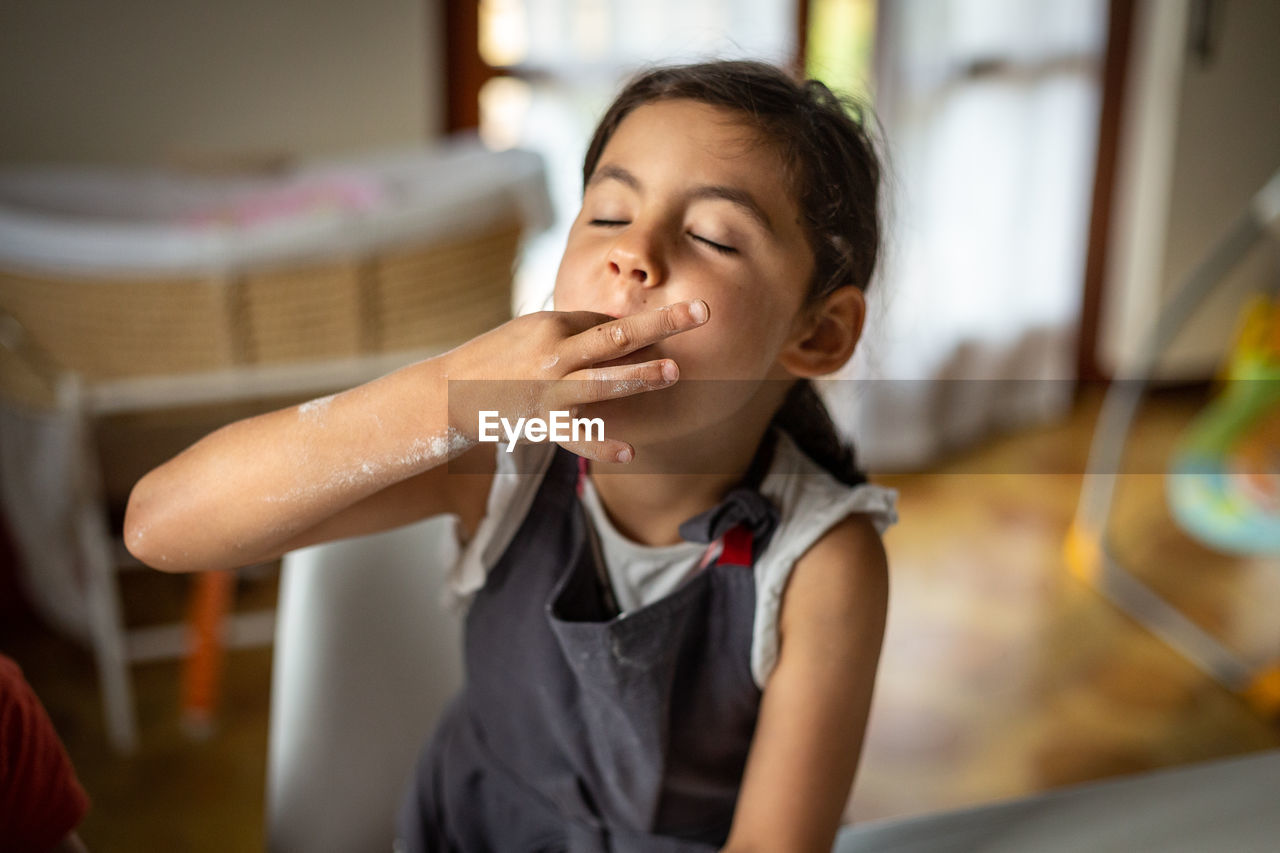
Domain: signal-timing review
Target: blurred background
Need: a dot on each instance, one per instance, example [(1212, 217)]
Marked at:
[(208, 210)]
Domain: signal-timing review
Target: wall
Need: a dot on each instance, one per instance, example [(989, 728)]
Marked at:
[(1198, 140), (132, 81)]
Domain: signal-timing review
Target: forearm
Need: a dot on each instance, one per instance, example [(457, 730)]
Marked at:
[(256, 487), (239, 494)]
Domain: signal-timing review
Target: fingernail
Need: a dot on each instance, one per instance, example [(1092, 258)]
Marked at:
[(698, 310), (670, 372), (624, 455)]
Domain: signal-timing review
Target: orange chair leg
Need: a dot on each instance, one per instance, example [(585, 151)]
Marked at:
[(202, 670)]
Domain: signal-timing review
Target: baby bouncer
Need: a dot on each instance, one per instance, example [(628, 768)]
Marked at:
[(1223, 482)]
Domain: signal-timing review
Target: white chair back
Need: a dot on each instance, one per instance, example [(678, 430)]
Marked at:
[(365, 660)]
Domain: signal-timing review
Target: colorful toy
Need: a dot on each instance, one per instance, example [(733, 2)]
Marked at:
[(1223, 485)]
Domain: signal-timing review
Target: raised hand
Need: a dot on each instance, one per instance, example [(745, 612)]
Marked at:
[(557, 361)]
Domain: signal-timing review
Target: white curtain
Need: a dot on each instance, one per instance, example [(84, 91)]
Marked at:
[(990, 112)]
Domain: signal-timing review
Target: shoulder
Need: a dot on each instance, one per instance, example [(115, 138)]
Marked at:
[(843, 579), (811, 500), (830, 528), (850, 546)]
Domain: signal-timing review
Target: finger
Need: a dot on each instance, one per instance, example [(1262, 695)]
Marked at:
[(617, 338), (592, 385), (609, 450)]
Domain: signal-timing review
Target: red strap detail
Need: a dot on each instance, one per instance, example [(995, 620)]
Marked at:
[(582, 474), (737, 547)]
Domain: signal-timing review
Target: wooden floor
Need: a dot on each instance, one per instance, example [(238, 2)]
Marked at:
[(1002, 674)]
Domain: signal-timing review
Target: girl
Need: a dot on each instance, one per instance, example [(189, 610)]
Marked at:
[(673, 631)]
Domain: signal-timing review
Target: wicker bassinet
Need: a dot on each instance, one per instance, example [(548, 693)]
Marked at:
[(407, 292), (435, 294)]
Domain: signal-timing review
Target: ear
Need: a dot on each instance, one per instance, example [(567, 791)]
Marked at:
[(824, 336)]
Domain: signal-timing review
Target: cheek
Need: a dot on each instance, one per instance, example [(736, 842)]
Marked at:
[(749, 333), (567, 294), (737, 344)]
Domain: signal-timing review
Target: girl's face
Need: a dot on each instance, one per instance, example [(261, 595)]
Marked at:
[(687, 201)]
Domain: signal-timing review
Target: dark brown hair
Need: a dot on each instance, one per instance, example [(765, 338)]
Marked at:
[(834, 171)]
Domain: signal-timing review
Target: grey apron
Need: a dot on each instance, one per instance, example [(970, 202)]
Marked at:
[(580, 730)]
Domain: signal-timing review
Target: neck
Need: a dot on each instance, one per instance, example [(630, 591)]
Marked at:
[(649, 498)]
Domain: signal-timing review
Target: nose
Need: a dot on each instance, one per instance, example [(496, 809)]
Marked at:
[(636, 257)]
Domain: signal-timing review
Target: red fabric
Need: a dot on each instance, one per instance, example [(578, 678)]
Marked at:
[(737, 547), (41, 800)]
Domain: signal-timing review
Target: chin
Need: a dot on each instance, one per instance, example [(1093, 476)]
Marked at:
[(646, 418), (682, 412)]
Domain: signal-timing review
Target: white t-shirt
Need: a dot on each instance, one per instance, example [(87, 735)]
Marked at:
[(810, 500)]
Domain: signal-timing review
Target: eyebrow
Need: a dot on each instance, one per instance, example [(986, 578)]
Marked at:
[(734, 195)]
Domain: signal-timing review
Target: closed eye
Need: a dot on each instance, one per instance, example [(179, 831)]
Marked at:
[(608, 223), (719, 247)]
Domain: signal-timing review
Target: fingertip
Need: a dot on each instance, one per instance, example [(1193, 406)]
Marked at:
[(624, 455), (699, 311), (670, 371)]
